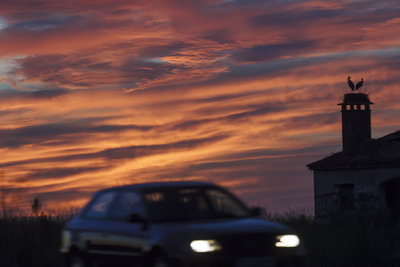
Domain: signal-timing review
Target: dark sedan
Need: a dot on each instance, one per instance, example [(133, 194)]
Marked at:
[(176, 224)]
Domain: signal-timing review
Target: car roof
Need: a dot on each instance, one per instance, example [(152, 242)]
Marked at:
[(152, 185)]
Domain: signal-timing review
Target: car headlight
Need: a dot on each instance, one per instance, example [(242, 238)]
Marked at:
[(65, 241), (202, 246), (287, 241)]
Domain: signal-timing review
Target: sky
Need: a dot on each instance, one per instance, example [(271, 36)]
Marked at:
[(244, 94)]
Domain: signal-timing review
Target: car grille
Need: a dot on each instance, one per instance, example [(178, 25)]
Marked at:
[(249, 245)]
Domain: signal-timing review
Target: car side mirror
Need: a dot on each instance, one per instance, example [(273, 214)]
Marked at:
[(136, 218)]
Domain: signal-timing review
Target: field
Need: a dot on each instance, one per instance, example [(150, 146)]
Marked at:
[(348, 240), (30, 241), (345, 241)]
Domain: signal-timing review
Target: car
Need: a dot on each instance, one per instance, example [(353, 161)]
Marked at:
[(176, 224)]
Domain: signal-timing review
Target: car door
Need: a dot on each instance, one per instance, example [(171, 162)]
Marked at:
[(95, 226), (129, 234), (108, 229)]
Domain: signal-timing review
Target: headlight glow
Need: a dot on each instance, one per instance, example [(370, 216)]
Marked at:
[(287, 241), (65, 240), (202, 246)]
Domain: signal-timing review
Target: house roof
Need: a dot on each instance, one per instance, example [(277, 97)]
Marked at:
[(376, 153)]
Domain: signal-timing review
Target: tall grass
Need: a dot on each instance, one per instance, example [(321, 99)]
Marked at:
[(30, 241), (346, 240)]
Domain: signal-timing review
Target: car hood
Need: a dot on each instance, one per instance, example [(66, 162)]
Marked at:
[(221, 227)]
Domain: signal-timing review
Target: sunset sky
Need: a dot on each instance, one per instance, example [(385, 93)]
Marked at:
[(242, 93)]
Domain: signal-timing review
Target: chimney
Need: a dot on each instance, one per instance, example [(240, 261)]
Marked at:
[(356, 121)]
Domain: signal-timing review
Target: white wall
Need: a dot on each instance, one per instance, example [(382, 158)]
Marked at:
[(368, 192)]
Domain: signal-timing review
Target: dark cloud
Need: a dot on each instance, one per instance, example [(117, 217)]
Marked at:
[(223, 35), (45, 24), (86, 72), (46, 133), (48, 93), (283, 66), (264, 69), (156, 51), (133, 152), (57, 173), (141, 69), (37, 66), (262, 53), (350, 13), (227, 96), (36, 94), (313, 120), (127, 153), (294, 18), (266, 153), (35, 10), (252, 111)]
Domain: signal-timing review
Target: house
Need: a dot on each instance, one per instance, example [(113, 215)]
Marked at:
[(365, 176)]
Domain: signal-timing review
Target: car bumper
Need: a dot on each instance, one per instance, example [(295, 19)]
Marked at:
[(222, 260)]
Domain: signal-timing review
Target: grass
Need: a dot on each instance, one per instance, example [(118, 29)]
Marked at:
[(348, 240), (30, 241), (345, 241)]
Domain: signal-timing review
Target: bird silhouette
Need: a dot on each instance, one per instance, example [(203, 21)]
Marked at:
[(350, 83), (359, 84)]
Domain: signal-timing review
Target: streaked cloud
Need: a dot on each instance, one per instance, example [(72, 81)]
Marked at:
[(242, 93)]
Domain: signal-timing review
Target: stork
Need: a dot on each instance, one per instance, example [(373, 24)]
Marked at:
[(350, 83), (359, 84)]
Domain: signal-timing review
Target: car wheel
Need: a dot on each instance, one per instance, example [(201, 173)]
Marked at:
[(158, 260), (76, 260)]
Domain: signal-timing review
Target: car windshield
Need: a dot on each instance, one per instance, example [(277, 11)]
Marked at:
[(177, 204)]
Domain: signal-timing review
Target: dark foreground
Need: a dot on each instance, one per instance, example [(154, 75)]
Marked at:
[(346, 241)]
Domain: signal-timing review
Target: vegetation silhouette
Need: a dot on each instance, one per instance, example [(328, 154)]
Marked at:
[(36, 206), (347, 240)]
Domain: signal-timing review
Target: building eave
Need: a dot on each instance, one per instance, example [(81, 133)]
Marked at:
[(380, 153)]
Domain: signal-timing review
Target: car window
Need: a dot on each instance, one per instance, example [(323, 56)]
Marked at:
[(224, 204), (192, 203), (98, 209), (126, 204), (174, 204), (177, 204)]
